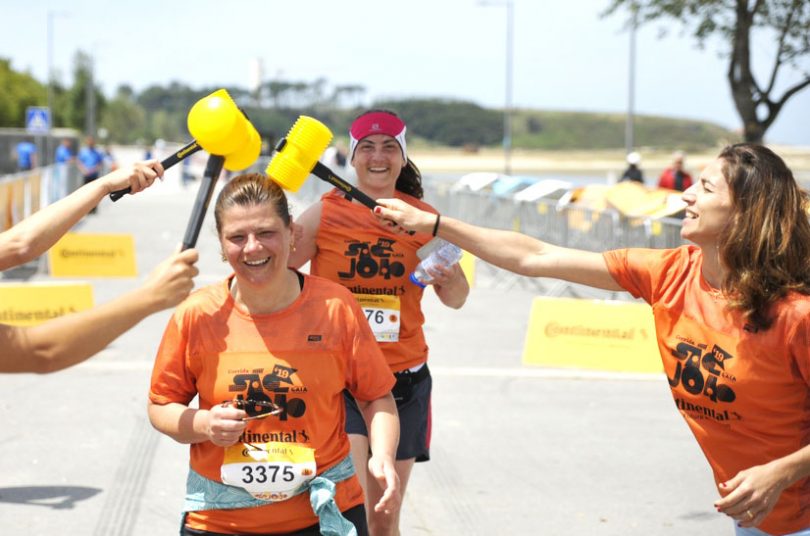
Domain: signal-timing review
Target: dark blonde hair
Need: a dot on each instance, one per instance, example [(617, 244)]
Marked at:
[(251, 189), (766, 245), (410, 178)]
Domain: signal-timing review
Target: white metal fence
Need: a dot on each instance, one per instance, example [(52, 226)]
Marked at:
[(565, 225)]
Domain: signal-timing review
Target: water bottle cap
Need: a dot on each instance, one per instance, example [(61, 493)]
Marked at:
[(416, 281)]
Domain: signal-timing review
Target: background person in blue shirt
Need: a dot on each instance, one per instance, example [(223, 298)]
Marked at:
[(90, 161), (62, 158), (26, 155), (64, 152)]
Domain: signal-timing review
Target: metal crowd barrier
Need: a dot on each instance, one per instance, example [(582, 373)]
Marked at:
[(565, 225), (25, 192), (20, 196)]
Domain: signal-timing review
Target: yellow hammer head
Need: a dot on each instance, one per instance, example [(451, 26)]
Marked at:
[(303, 146)]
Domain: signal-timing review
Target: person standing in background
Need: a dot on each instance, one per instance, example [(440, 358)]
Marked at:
[(674, 177), (64, 152), (334, 157), (26, 155), (63, 157), (110, 163), (633, 172), (90, 160)]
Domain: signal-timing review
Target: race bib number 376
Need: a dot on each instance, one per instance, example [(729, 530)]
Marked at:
[(383, 315)]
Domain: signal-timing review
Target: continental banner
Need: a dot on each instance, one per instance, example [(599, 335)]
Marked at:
[(27, 304), (93, 255), (592, 334)]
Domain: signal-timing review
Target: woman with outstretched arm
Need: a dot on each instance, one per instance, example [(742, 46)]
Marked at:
[(732, 318), (67, 340)]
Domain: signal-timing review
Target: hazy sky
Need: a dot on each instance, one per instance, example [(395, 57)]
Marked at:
[(565, 56)]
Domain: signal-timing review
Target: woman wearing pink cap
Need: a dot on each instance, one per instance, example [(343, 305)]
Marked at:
[(345, 243)]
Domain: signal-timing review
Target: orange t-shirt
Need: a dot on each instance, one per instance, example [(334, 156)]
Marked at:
[(745, 394), (301, 358), (357, 252)]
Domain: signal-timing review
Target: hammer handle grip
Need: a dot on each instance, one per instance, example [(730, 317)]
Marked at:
[(213, 168), (187, 150), (324, 173)]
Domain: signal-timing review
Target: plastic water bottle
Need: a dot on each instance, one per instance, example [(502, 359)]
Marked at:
[(437, 251)]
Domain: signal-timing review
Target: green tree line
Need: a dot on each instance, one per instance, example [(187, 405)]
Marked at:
[(160, 111)]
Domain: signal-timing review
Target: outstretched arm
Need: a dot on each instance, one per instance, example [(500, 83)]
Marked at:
[(36, 234), (70, 339), (509, 250)]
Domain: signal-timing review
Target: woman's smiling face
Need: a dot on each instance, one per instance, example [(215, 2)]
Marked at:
[(378, 161), (708, 207), (255, 242)]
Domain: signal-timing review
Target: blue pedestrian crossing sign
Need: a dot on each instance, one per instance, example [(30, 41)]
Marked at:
[(38, 120)]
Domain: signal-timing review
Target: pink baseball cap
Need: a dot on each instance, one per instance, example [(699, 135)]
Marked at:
[(377, 123)]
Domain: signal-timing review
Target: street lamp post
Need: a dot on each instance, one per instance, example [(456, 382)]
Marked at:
[(90, 98), (49, 38), (46, 157), (507, 112), (629, 134)]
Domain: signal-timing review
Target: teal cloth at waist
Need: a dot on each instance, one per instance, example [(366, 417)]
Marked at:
[(206, 494)]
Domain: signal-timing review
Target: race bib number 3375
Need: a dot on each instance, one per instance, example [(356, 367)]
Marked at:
[(268, 471)]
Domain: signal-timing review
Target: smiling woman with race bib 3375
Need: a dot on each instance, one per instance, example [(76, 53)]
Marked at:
[(269, 352)]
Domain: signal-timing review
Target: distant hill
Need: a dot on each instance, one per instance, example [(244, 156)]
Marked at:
[(537, 129), (459, 123)]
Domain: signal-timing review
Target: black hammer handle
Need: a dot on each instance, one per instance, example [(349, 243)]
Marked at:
[(188, 150)]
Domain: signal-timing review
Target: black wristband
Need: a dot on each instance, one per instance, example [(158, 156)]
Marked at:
[(436, 225)]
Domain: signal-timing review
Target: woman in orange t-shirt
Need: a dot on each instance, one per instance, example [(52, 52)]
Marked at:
[(732, 318), (345, 244), (269, 352)]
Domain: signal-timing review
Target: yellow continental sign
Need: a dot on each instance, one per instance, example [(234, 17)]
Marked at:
[(592, 334), (27, 304), (93, 255)]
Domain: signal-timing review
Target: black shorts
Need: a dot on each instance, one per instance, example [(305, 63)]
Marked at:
[(357, 515), (412, 395)]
